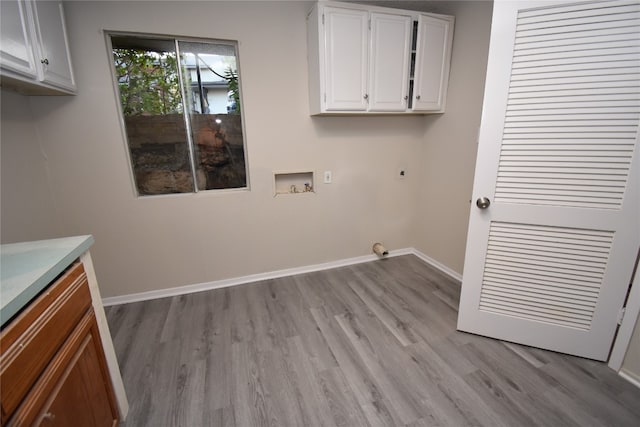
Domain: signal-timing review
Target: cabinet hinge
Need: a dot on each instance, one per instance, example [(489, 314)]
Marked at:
[(325, 97), (621, 315), (369, 24), (323, 19)]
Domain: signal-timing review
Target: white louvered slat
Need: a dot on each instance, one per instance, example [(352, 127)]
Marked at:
[(560, 272), (543, 273), (577, 69), (569, 37), (531, 257), (504, 282), (562, 251), (568, 97), (573, 107), (582, 27), (575, 113), (568, 91), (583, 9), (540, 301), (569, 70), (524, 280), (575, 89), (571, 135), (584, 62), (576, 45), (582, 82), (588, 54), (565, 149)]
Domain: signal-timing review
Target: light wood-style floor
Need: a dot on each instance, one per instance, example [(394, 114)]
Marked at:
[(371, 344)]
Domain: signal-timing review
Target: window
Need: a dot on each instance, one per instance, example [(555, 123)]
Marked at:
[(182, 112)]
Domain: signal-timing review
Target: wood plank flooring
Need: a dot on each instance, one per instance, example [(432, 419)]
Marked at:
[(367, 345)]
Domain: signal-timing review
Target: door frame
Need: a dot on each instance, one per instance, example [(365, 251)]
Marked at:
[(625, 330)]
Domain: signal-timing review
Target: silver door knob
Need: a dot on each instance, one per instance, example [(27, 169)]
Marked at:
[(366, 96), (418, 97), (483, 202)]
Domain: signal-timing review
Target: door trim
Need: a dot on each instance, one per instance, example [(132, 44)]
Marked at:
[(625, 331)]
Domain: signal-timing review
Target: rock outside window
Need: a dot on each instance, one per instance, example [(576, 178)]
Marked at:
[(182, 112)]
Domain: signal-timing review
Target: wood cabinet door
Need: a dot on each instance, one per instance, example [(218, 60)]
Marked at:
[(346, 48), (433, 55), (75, 390), (53, 46), (389, 63)]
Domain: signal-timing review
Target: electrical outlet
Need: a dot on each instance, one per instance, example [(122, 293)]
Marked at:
[(328, 177)]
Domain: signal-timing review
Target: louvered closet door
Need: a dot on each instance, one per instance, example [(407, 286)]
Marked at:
[(549, 261)]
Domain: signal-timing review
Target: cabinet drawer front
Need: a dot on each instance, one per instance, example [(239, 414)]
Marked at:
[(32, 339)]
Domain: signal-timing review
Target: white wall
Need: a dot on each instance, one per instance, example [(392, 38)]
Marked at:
[(28, 211), (448, 155), (153, 243)]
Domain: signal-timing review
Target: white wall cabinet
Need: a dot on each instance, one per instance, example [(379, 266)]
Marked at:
[(16, 50), (433, 56), (366, 59), (346, 59), (390, 46), (34, 53)]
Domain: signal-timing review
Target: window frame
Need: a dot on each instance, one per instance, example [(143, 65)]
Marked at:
[(186, 115)]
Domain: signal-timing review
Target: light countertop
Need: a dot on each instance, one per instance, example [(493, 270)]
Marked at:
[(27, 268)]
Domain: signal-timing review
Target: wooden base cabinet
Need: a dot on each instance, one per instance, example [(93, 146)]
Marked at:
[(53, 368)]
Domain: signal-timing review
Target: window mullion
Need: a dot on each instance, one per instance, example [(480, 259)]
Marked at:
[(187, 120)]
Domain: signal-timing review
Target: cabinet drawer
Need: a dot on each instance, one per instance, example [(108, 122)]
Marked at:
[(31, 340)]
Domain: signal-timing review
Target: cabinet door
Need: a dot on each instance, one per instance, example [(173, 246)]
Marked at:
[(389, 65), (80, 399), (75, 390), (432, 63), (53, 51), (16, 49), (346, 48)]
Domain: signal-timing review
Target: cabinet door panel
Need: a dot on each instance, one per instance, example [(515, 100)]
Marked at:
[(346, 34), (75, 390), (432, 67), (16, 50), (389, 66), (33, 338), (77, 400), (54, 51)]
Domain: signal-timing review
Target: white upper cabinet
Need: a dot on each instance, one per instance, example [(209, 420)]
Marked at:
[(346, 59), (367, 59), (389, 61), (34, 52), (16, 51), (433, 56), (54, 47)]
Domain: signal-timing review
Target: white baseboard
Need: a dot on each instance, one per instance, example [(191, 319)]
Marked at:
[(446, 270), (632, 378), (217, 284)]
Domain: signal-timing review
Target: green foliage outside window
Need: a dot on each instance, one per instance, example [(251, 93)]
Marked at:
[(148, 82), (232, 78)]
